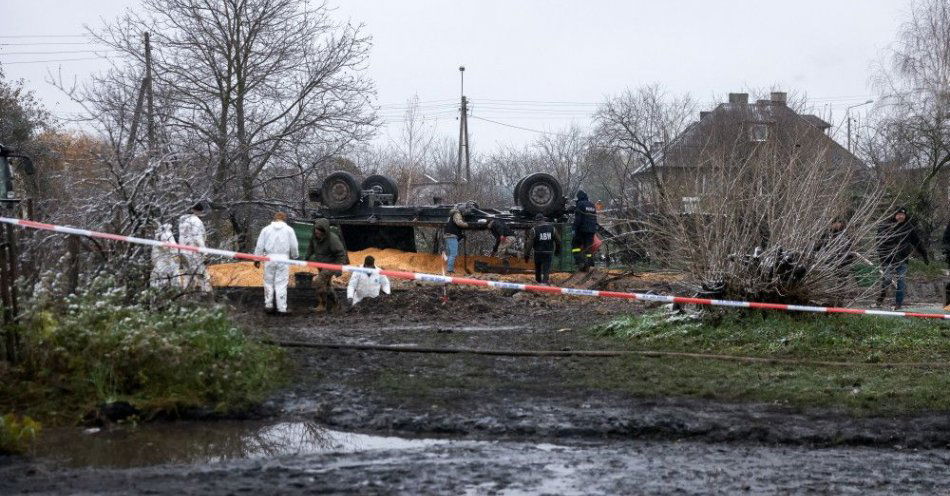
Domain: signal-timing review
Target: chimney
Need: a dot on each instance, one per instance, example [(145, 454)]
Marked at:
[(703, 114), (739, 98), (779, 97)]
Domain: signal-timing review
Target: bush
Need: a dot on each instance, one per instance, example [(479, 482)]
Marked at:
[(16, 433), (103, 346)]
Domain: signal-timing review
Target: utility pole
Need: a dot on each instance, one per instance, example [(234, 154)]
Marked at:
[(463, 136), (848, 115), (145, 93), (149, 106)]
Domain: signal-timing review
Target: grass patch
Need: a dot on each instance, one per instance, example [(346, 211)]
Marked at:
[(103, 346), (813, 337), (16, 433), (861, 339), (918, 268)]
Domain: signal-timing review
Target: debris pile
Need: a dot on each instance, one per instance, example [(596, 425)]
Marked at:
[(244, 273)]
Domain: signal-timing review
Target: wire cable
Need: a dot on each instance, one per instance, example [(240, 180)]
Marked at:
[(45, 36), (58, 52), (37, 43), (54, 60), (518, 127)]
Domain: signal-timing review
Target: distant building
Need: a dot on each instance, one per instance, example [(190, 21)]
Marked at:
[(734, 132)]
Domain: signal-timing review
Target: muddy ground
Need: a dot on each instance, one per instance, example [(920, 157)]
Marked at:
[(520, 424)]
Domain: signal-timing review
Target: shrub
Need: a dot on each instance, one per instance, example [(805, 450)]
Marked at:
[(16, 433), (157, 353)]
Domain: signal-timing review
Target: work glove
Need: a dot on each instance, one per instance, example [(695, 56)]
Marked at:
[(257, 264)]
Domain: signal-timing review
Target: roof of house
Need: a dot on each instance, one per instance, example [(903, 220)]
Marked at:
[(760, 112)]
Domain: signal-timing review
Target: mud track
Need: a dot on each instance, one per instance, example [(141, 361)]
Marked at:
[(521, 424)]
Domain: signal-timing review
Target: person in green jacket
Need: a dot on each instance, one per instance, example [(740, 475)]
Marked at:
[(325, 247)]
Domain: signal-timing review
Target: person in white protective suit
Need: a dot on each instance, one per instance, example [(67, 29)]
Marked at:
[(277, 240), (191, 232), (366, 285), (165, 266)]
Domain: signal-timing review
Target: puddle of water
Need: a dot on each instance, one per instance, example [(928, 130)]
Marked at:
[(208, 442)]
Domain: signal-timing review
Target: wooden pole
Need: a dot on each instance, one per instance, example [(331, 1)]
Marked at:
[(6, 297)]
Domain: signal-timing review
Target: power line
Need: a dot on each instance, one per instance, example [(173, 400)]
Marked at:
[(545, 102), (57, 52), (36, 43), (46, 36), (518, 127), (53, 60)]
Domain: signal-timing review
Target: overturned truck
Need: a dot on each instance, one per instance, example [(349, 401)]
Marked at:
[(367, 215)]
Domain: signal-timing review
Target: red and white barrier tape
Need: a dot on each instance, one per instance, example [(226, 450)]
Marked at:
[(438, 279)]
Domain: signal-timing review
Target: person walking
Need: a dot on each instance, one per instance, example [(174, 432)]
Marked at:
[(191, 232), (897, 239), (585, 227), (325, 247), (366, 284), (544, 242), (279, 241), (165, 267)]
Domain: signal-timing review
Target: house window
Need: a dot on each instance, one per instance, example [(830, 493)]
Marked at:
[(759, 132), (690, 204)]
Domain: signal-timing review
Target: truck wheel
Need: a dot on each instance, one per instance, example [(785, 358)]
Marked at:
[(382, 185), (517, 191), (340, 191), (540, 193)]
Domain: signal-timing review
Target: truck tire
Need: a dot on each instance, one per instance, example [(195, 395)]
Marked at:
[(517, 191), (340, 191), (540, 193), (383, 185)]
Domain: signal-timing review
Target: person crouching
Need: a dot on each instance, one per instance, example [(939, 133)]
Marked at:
[(366, 284)]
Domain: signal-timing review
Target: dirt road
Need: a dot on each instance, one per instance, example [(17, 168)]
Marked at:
[(513, 425)]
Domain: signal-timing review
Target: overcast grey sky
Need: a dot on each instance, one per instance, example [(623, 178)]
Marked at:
[(522, 55)]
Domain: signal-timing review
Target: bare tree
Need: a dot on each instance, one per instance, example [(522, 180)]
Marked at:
[(911, 134), (248, 83), (631, 132), (565, 155), (761, 231), (410, 150)]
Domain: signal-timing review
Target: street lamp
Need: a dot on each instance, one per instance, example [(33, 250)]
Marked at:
[(848, 114)]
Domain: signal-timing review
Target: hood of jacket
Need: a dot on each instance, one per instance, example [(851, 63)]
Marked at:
[(581, 195), (322, 224)]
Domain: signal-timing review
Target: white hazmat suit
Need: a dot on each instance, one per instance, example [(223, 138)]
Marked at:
[(191, 232), (165, 267), (278, 240), (364, 286)]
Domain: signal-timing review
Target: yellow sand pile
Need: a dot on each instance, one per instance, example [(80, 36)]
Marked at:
[(244, 273)]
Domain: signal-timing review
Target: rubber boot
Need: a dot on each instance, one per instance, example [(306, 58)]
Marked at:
[(321, 302)]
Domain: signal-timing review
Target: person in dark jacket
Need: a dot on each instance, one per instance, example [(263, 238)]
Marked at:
[(837, 244), (543, 240), (454, 231), (325, 247), (897, 239), (585, 227)]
